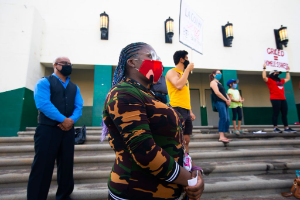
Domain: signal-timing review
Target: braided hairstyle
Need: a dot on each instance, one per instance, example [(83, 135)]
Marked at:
[(126, 53)]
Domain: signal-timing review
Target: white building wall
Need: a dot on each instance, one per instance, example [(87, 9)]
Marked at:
[(71, 28), (20, 45), (76, 33)]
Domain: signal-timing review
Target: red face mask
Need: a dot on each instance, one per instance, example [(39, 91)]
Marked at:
[(152, 68)]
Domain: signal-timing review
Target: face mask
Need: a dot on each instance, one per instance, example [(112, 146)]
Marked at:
[(276, 75), (218, 76), (66, 70), (186, 63), (234, 86), (152, 70)]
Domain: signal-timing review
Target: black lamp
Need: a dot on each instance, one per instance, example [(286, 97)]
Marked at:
[(169, 30), (281, 37), (104, 24), (227, 31)]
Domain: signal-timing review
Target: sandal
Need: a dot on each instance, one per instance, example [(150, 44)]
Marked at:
[(225, 140), (237, 132)]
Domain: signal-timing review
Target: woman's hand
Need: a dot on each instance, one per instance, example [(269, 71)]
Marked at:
[(228, 102), (195, 192)]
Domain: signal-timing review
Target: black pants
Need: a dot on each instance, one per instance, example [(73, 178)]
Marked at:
[(188, 124), (279, 105), (238, 111), (50, 144)]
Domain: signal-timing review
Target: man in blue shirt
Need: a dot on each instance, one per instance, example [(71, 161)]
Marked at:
[(60, 105)]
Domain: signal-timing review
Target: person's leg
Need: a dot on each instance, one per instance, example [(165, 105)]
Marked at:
[(187, 132), (221, 107), (284, 112), (46, 144), (276, 108), (227, 119), (239, 112), (65, 162), (234, 110)]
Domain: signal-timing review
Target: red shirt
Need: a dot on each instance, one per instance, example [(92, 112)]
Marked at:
[(276, 89)]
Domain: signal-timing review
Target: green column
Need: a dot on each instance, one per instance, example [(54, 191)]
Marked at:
[(290, 98), (18, 111), (226, 76), (102, 85)]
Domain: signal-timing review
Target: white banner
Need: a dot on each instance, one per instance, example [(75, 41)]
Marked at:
[(190, 28), (276, 59)]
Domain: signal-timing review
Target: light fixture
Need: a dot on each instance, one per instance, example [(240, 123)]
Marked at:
[(281, 37), (104, 24), (169, 30), (227, 31)]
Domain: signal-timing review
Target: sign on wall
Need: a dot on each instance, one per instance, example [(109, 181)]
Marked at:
[(276, 59), (190, 28)]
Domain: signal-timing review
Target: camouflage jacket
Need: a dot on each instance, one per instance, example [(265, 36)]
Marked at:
[(147, 139)]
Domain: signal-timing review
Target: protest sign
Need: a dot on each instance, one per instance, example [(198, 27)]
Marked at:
[(190, 28), (276, 59)]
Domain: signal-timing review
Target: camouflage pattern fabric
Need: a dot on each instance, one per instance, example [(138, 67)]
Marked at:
[(147, 139)]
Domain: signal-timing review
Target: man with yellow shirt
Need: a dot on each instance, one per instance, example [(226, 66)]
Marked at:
[(179, 91)]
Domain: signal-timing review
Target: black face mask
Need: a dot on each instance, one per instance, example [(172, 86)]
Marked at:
[(186, 63), (66, 70), (274, 77)]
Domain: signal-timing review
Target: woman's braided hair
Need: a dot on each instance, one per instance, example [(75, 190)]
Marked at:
[(126, 53)]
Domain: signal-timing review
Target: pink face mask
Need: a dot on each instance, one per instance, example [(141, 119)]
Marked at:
[(152, 68)]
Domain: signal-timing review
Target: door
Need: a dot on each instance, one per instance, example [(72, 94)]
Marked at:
[(195, 103), (212, 117)]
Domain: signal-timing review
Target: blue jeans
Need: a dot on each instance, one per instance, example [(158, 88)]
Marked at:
[(224, 119)]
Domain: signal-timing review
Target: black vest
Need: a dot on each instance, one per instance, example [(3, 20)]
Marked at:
[(62, 98)]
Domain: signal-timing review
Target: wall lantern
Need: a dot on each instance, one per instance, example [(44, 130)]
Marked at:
[(104, 24), (227, 31), (281, 37), (169, 30)]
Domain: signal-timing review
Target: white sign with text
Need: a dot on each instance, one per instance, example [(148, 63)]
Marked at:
[(190, 28), (276, 59)]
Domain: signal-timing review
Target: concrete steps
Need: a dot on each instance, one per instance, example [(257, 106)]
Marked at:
[(97, 131), (246, 186), (252, 166)]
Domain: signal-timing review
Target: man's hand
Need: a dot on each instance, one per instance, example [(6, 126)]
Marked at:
[(190, 67), (62, 127), (193, 117), (195, 192), (67, 124)]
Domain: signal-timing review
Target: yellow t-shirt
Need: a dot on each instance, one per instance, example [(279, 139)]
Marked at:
[(236, 96), (179, 98)]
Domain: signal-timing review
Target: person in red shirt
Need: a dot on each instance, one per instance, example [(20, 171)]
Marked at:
[(277, 97)]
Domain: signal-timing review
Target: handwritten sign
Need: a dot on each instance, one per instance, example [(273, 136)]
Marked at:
[(276, 59), (190, 28)]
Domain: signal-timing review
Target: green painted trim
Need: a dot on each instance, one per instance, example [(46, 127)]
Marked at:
[(102, 85), (226, 76), (290, 98), (259, 116), (29, 112), (87, 117), (203, 116), (17, 111)]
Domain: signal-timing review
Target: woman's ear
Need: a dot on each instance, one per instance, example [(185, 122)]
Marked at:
[(130, 63)]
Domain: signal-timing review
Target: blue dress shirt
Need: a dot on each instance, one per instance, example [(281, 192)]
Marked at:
[(43, 103)]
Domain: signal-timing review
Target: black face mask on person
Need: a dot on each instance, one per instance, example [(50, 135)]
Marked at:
[(66, 70), (275, 77), (186, 63)]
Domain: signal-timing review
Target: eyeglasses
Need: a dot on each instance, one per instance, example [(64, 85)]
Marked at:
[(63, 63), (151, 55)]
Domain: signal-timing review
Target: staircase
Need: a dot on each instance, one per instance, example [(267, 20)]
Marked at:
[(252, 166)]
